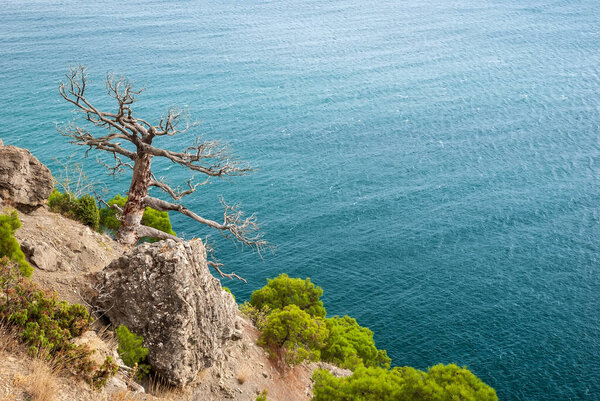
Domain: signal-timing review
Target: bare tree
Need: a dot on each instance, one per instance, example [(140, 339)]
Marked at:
[(129, 140)]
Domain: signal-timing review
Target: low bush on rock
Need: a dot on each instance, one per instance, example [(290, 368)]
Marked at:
[(131, 350), (46, 324), (283, 291), (345, 342), (350, 345), (256, 315), (299, 332), (439, 383), (108, 369), (295, 333), (151, 218), (82, 209), (9, 246)]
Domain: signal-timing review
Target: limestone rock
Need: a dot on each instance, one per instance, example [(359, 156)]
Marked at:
[(100, 349), (165, 292), (42, 255), (24, 180)]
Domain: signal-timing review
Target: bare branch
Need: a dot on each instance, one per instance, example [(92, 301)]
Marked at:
[(73, 180), (80, 136), (118, 167), (209, 157), (234, 226), (231, 275), (213, 262), (145, 231), (74, 92), (177, 194), (131, 138)]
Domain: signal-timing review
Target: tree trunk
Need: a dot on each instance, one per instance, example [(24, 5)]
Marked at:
[(133, 211)]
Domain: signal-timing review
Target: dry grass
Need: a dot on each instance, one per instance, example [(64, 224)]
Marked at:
[(8, 339), (242, 376), (159, 388), (122, 395), (41, 384)]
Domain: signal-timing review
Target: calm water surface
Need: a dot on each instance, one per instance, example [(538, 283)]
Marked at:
[(433, 165)]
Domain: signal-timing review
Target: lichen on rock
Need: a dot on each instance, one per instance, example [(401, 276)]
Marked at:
[(24, 181), (165, 292)]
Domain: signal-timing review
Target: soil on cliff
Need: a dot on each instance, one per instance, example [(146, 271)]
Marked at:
[(76, 253)]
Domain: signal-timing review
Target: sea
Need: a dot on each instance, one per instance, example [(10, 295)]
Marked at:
[(433, 165)]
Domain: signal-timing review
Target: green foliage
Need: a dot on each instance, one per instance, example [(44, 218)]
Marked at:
[(283, 291), (350, 345), (262, 396), (347, 344), (86, 211), (256, 315), (151, 218), (229, 291), (108, 369), (297, 334), (43, 322), (82, 209), (9, 246), (289, 314), (62, 203), (131, 349), (440, 383), (108, 217)]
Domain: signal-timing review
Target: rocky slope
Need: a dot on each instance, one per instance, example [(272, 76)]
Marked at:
[(210, 346)]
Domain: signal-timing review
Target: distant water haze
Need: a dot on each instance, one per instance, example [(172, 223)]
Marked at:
[(433, 165)]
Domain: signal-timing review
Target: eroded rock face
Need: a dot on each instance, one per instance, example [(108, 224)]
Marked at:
[(42, 255), (24, 180), (165, 292)]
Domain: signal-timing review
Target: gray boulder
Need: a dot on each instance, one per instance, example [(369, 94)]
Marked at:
[(24, 181), (42, 255), (165, 292)]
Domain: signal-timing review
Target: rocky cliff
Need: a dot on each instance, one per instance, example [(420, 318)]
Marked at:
[(163, 291)]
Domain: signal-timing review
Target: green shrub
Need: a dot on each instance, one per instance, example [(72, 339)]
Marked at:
[(151, 218), (229, 291), (283, 291), (108, 217), (84, 209), (131, 349), (440, 383), (62, 203), (350, 345), (262, 396), (43, 322), (295, 333), (9, 246), (257, 316), (108, 369)]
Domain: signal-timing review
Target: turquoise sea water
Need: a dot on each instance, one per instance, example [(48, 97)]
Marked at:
[(433, 165)]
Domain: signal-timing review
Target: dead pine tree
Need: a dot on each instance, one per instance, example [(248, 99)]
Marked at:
[(129, 140)]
